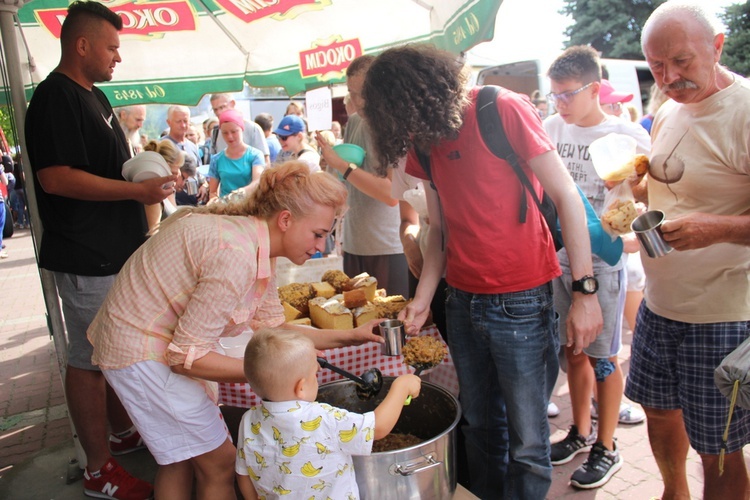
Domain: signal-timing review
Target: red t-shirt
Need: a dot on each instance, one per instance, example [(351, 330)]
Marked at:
[(488, 250)]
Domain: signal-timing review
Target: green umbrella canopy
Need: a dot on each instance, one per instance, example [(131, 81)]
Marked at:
[(176, 51)]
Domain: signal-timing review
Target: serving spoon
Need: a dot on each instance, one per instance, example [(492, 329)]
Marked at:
[(368, 385)]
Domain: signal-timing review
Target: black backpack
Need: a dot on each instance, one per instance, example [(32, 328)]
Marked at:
[(493, 135)]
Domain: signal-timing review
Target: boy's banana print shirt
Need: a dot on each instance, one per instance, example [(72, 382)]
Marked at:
[(303, 449)]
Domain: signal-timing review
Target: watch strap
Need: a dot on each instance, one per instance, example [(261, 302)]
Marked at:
[(352, 168), (579, 286)]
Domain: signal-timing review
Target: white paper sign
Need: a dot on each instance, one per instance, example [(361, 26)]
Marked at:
[(319, 109)]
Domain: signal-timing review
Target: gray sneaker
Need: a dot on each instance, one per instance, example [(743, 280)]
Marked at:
[(599, 468), (573, 444)]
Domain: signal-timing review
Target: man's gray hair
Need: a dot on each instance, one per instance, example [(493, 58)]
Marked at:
[(175, 108), (217, 96), (126, 110)]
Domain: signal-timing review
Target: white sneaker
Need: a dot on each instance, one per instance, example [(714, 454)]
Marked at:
[(3, 254), (629, 414), (552, 410)]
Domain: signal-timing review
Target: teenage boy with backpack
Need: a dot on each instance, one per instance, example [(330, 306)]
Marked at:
[(501, 322)]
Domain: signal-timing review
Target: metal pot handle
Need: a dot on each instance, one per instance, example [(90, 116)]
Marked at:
[(414, 467)]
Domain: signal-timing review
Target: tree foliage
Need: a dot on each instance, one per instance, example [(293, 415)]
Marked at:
[(613, 27), (7, 125), (736, 55)]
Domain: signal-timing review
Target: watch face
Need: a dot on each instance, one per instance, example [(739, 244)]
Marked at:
[(589, 285), (586, 285)]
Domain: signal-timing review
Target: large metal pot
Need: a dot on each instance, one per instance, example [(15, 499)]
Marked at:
[(424, 471)]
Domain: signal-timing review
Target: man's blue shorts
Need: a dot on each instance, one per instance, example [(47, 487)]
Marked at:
[(672, 367)]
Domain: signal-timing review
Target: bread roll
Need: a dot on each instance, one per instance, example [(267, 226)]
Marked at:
[(619, 216), (641, 164)]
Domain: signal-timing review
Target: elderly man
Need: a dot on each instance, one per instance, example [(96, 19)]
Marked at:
[(253, 135), (131, 120), (93, 221), (697, 302), (178, 119)]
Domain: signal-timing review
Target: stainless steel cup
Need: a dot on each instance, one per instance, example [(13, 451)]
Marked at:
[(191, 186), (392, 330), (647, 228)]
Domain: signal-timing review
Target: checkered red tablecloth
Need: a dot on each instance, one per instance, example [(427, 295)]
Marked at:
[(355, 359)]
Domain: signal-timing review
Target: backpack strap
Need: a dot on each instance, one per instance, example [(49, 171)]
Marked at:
[(493, 135), (424, 161)]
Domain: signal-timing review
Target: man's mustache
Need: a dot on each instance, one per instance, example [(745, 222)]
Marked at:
[(679, 85)]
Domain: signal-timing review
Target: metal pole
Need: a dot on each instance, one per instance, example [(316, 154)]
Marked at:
[(8, 10)]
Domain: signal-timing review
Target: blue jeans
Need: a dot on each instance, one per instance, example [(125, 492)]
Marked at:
[(18, 202), (505, 350)]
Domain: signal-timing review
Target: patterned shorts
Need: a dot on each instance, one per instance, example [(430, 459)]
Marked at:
[(672, 367)]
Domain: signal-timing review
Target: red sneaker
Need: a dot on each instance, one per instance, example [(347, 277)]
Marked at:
[(115, 483), (121, 446)]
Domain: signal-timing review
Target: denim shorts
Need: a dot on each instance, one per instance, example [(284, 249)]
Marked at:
[(672, 367), (81, 298)]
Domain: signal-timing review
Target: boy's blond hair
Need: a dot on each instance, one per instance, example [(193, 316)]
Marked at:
[(275, 359)]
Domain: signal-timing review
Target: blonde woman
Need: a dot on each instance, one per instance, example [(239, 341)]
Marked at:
[(208, 273)]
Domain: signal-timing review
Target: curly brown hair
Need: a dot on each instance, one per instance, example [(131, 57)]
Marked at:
[(414, 94)]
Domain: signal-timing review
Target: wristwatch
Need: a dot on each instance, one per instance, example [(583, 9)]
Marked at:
[(352, 168), (587, 285)]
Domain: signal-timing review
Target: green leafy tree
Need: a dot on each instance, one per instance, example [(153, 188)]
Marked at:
[(613, 27), (6, 124), (736, 55)]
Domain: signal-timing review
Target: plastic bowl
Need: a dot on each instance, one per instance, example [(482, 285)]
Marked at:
[(145, 165), (350, 153)]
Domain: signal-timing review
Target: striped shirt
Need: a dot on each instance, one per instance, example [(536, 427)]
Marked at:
[(201, 278)]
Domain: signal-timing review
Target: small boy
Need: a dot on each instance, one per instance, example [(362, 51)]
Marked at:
[(576, 84), (292, 445)]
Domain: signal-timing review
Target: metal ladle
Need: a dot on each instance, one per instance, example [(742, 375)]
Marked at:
[(368, 385)]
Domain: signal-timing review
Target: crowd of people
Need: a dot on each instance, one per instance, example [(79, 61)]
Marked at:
[(147, 290)]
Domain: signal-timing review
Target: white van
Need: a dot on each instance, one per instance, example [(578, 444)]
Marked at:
[(528, 76)]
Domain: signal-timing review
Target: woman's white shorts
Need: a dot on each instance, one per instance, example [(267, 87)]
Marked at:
[(173, 413)]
